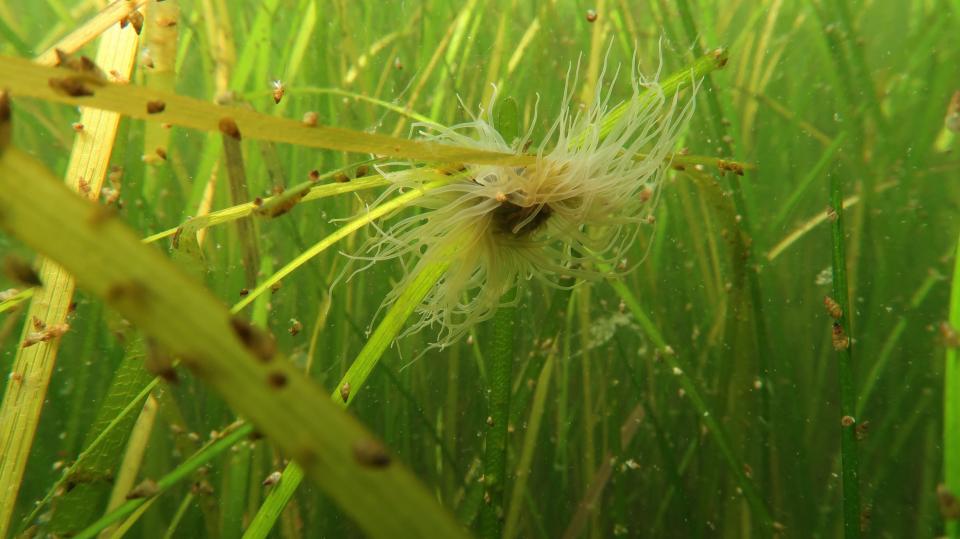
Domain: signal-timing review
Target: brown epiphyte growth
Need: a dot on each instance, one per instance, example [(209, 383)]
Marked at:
[(160, 363), (295, 327), (839, 338), (371, 453), (228, 126), (71, 86), (949, 504), (156, 107), (19, 270), (47, 334), (277, 380), (5, 115), (260, 343), (730, 166), (833, 308), (134, 19)]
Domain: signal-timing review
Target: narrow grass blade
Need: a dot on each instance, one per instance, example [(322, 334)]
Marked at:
[(716, 431), (529, 447), (34, 364), (842, 337), (88, 31), (133, 457), (348, 387), (951, 401), (500, 368), (132, 509), (344, 231), (25, 78)]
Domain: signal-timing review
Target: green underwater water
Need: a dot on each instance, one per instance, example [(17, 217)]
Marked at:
[(700, 395)]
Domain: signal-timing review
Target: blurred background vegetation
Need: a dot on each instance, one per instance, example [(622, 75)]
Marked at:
[(733, 276)]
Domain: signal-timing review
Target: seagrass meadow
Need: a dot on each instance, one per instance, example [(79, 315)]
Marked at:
[(490, 268)]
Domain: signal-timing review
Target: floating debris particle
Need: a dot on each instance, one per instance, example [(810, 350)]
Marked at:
[(295, 327), (278, 91)]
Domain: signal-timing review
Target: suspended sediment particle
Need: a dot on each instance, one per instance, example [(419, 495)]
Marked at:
[(278, 91)]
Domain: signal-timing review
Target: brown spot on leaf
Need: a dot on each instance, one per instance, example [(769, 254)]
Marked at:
[(156, 107), (260, 343), (277, 380), (228, 126), (371, 453)]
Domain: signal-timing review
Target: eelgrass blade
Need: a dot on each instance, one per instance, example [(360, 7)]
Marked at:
[(500, 369), (34, 364), (951, 402), (230, 437), (348, 387), (531, 433), (110, 261), (100, 441), (716, 431), (24, 78), (842, 334), (89, 30), (342, 232)]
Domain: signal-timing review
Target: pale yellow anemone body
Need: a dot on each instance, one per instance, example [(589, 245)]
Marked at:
[(583, 201)]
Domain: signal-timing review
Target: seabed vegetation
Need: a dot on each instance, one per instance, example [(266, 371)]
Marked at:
[(311, 268)]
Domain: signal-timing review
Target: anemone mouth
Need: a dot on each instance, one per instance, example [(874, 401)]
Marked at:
[(520, 221)]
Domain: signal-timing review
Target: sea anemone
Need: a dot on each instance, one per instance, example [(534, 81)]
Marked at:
[(581, 201)]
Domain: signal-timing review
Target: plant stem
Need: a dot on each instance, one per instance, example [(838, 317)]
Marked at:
[(848, 394), (951, 400), (495, 451)]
